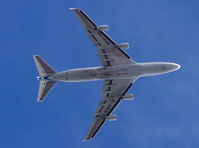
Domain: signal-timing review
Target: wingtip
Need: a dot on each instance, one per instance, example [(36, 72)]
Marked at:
[(38, 100), (35, 55), (84, 140), (73, 9)]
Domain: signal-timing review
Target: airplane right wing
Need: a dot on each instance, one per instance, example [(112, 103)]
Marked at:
[(112, 93), (109, 52)]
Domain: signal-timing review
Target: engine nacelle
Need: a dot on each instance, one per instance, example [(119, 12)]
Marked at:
[(111, 117), (124, 45), (103, 27), (129, 97)]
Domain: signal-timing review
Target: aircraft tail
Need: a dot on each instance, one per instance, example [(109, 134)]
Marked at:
[(45, 84)]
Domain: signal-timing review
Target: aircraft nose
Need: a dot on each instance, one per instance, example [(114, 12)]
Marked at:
[(173, 67)]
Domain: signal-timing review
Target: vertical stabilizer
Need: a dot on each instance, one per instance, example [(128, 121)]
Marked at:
[(45, 84)]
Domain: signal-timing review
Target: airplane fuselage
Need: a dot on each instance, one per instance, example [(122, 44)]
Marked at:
[(127, 71)]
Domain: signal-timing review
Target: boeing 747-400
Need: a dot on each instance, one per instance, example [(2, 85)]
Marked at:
[(118, 71)]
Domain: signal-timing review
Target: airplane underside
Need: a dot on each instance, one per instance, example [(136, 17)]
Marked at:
[(130, 71), (118, 71)]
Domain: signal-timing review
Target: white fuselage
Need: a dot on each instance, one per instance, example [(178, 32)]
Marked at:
[(128, 71)]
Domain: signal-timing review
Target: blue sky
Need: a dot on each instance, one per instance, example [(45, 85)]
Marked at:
[(165, 110)]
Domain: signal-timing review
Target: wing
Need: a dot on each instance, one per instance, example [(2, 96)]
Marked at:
[(109, 52), (112, 93)]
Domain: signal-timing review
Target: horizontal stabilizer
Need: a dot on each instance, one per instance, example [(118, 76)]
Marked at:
[(44, 70), (42, 67), (44, 87)]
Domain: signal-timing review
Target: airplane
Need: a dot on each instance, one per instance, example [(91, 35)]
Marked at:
[(118, 71)]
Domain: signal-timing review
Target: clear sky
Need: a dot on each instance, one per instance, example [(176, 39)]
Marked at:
[(165, 110)]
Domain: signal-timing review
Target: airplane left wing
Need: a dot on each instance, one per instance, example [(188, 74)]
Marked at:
[(109, 52), (112, 93)]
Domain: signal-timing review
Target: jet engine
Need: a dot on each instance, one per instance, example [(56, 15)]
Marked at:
[(124, 45), (103, 27), (129, 97), (111, 117)]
